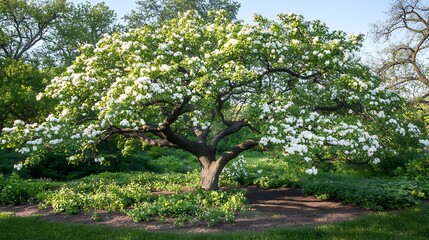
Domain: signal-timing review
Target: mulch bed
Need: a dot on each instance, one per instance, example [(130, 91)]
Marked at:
[(270, 208)]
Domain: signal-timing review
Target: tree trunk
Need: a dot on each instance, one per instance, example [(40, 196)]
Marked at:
[(210, 172)]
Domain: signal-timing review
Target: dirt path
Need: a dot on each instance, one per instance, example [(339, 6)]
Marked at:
[(283, 207)]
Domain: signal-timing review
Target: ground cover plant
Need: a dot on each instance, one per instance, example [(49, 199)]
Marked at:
[(159, 196), (142, 196), (371, 193)]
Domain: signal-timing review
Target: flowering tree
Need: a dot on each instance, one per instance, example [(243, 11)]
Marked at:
[(188, 84)]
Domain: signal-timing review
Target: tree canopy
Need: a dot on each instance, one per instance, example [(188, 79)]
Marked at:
[(23, 24), (20, 82), (37, 39), (80, 24), (158, 11), (290, 83)]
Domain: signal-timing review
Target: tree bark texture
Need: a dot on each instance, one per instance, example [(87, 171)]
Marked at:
[(209, 175)]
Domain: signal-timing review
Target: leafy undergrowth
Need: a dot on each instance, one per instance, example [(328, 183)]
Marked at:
[(132, 193), (199, 205), (138, 194), (373, 193), (15, 190)]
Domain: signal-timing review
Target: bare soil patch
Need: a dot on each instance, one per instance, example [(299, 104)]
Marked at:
[(270, 208)]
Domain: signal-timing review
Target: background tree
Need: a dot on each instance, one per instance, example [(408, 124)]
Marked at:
[(51, 30), (191, 83), (158, 11), (20, 82), (405, 65), (80, 24), (23, 24)]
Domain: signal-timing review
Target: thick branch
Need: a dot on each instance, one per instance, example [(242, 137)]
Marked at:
[(177, 111), (417, 69), (235, 151), (140, 134), (196, 148), (232, 128)]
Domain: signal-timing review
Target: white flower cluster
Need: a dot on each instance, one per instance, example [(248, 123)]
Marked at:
[(425, 143), (376, 161), (18, 166), (237, 169), (99, 160), (311, 171), (91, 131)]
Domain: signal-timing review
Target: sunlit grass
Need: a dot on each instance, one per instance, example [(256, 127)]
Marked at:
[(409, 224)]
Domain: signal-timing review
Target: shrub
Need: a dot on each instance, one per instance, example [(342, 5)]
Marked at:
[(132, 194), (235, 172), (375, 194), (276, 172), (418, 169), (198, 205), (98, 196), (15, 190)]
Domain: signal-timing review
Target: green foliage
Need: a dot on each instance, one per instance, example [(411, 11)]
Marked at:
[(172, 163), (390, 165), (235, 172), (198, 205), (275, 171), (80, 24), (20, 83), (153, 181), (266, 171), (399, 225), (417, 169), (7, 159), (55, 166), (96, 196), (24, 23), (15, 190), (133, 194), (115, 191), (159, 11), (376, 194)]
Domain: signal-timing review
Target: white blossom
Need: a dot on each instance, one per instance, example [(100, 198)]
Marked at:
[(264, 141), (18, 122), (376, 161), (99, 160), (18, 166), (55, 141), (24, 150), (311, 171), (424, 142), (124, 123)]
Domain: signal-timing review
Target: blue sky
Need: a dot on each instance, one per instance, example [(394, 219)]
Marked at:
[(350, 16)]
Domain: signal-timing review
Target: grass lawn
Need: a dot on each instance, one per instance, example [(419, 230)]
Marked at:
[(410, 224)]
